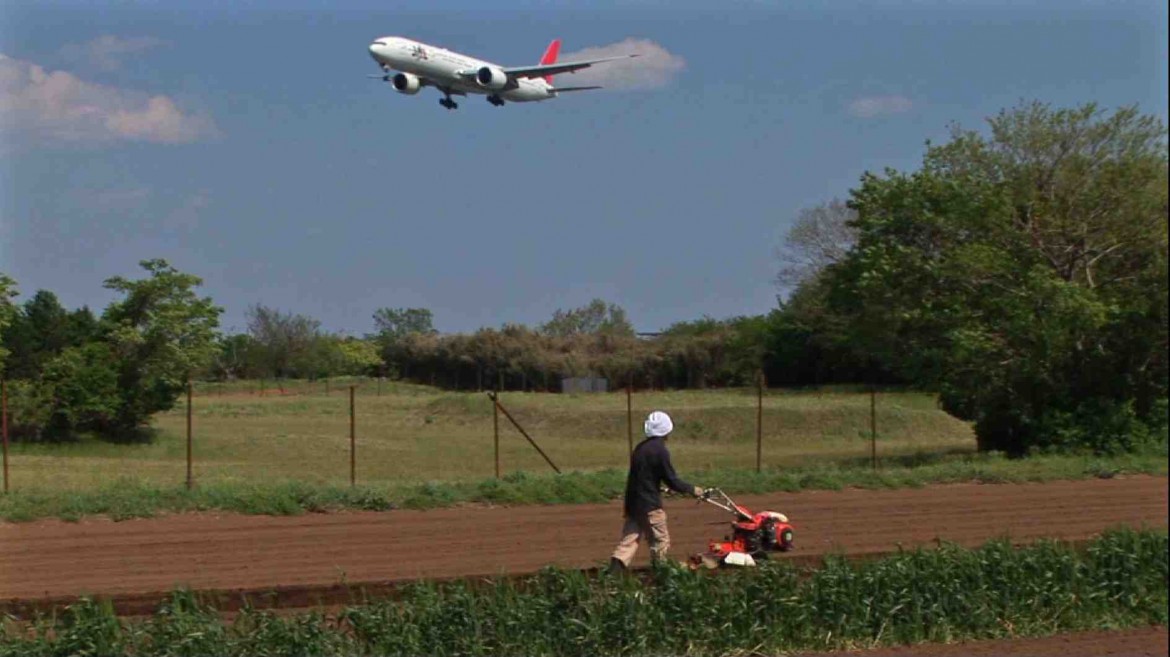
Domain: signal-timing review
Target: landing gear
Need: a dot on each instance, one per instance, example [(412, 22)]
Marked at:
[(496, 100), (446, 101)]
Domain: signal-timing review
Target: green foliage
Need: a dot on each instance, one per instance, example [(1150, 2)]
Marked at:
[(30, 407), (595, 318), (1023, 275), (394, 323), (110, 376), (7, 313), (809, 342), (237, 356), (357, 356), (83, 384), (40, 330), (399, 332), (938, 595), (183, 626), (284, 344), (159, 333), (820, 236)]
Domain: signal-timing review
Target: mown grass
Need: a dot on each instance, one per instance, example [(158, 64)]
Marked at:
[(130, 498), (938, 595), (414, 434), (421, 447)]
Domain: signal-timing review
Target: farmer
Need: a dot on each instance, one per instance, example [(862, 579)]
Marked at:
[(649, 468)]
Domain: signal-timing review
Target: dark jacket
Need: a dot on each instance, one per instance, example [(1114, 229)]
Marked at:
[(649, 467)]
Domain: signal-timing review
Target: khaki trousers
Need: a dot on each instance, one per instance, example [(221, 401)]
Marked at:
[(652, 527)]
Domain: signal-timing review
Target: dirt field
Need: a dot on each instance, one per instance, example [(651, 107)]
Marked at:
[(314, 558)]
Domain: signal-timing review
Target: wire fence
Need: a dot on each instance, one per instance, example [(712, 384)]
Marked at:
[(374, 431)]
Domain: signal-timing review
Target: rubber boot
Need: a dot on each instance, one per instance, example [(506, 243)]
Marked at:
[(615, 566)]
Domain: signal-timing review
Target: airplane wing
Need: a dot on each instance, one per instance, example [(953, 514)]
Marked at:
[(542, 70), (422, 82)]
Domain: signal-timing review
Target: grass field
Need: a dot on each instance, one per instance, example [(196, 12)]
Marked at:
[(408, 434), (419, 447)]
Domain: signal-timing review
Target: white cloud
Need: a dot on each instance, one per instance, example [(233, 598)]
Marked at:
[(871, 106), (654, 67), (59, 106), (107, 51)]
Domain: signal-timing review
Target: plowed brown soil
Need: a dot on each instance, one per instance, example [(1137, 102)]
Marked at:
[(48, 562)]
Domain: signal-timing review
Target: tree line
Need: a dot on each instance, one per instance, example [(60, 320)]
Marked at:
[(1020, 272)]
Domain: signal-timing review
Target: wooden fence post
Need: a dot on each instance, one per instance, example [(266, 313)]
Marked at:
[(630, 413), (873, 425), (4, 426), (190, 474), (759, 421), (352, 440), (496, 433)]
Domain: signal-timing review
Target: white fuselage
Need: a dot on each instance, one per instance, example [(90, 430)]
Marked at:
[(449, 71)]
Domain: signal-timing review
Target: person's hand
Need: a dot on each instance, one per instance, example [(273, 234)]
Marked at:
[(699, 491)]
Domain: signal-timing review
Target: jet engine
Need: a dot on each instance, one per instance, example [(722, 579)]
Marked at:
[(491, 77), (405, 83)]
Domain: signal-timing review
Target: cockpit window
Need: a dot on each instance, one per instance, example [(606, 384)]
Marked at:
[(381, 43)]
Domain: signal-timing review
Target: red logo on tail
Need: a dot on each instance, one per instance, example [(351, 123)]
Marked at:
[(550, 57)]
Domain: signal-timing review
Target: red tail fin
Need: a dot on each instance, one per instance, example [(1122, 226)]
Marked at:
[(550, 56)]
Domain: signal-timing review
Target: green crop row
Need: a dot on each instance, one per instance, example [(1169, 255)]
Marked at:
[(935, 595)]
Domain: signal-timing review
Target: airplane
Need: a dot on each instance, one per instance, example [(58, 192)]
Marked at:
[(420, 65)]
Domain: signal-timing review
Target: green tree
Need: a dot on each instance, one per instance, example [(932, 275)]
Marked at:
[(395, 327), (158, 333), (596, 317), (810, 340), (7, 313), (821, 235), (1024, 275), (358, 356), (236, 357), (284, 342), (40, 330), (83, 385), (394, 323)]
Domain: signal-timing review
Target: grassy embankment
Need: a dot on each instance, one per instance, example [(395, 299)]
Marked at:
[(940, 595), (417, 446)]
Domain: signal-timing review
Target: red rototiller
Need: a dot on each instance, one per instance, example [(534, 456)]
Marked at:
[(753, 535)]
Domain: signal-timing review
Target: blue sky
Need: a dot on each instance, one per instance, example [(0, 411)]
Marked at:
[(244, 143)]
